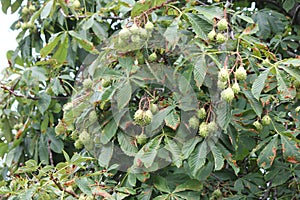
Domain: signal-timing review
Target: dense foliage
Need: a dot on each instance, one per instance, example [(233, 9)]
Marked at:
[(155, 100)]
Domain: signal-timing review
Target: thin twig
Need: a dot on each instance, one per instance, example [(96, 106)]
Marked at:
[(50, 153), (11, 91), (61, 188)]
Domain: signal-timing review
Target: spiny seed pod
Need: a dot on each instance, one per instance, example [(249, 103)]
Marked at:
[(222, 84), (74, 135), (222, 24), (87, 83), (220, 38), (143, 32), (203, 129), (152, 57), (25, 10), (223, 74), (32, 8), (139, 116), (134, 29), (153, 108), (194, 122), (266, 120), (18, 25), (217, 193), (296, 84), (78, 144), (141, 139), (227, 94), (93, 116), (201, 113), (212, 34), (76, 4), (135, 39), (68, 106), (297, 109), (124, 34), (106, 83), (24, 26), (236, 88), (257, 125), (148, 116), (60, 128), (149, 26), (241, 73), (84, 137), (212, 127)]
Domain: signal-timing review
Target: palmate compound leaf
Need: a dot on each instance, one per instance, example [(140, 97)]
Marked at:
[(268, 154)]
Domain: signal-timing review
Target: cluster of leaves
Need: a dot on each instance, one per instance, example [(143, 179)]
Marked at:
[(221, 84)]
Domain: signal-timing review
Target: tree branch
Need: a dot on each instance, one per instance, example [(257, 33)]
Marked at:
[(61, 188), (11, 91)]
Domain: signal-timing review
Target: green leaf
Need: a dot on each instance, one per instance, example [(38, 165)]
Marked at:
[(189, 146), (159, 118), (27, 194), (139, 8), (198, 157), (200, 69), (210, 12), (56, 144), (3, 149), (84, 186), (171, 33), (43, 102), (288, 5), (255, 104), (295, 72), (15, 6), (162, 197), (228, 156), (88, 23), (290, 149), (61, 53), (161, 184), (172, 119), (193, 185), (259, 83), (51, 45), (267, 155), (218, 158), (126, 143), (200, 25), (246, 19), (283, 90), (106, 155), (175, 150), (108, 132), (5, 5), (124, 94), (148, 153), (86, 45), (224, 115), (47, 9)]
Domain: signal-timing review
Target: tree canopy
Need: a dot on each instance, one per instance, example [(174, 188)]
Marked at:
[(159, 99)]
